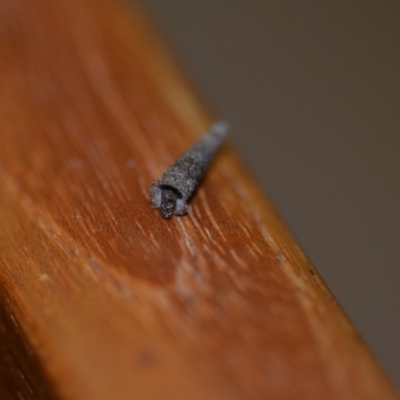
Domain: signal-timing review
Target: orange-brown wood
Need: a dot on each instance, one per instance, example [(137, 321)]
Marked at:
[(100, 297)]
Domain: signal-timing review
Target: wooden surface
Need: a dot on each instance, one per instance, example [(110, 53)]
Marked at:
[(100, 297)]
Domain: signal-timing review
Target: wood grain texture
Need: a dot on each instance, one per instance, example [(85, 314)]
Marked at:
[(101, 298)]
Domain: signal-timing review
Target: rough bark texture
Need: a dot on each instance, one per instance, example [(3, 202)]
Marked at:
[(101, 298)]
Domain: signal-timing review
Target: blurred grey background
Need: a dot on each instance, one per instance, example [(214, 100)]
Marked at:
[(312, 89)]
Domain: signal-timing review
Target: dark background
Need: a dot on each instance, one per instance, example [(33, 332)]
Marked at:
[(312, 89)]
